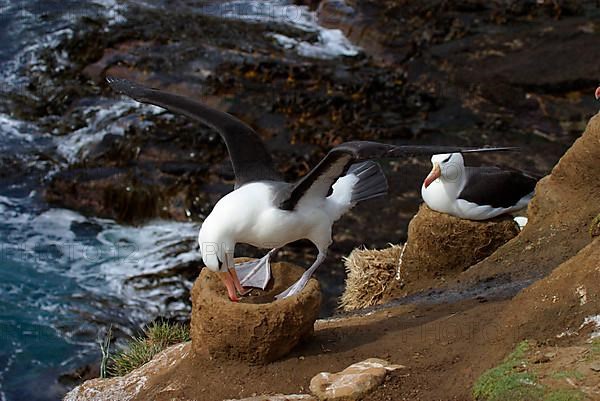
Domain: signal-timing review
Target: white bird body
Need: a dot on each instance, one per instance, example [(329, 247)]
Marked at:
[(444, 193), (441, 196), (261, 223)]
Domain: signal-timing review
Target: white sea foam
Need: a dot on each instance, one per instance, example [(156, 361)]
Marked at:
[(135, 251), (10, 360), (103, 265), (54, 225), (24, 28), (4, 204), (28, 58), (153, 245), (12, 129), (113, 10), (330, 43), (107, 117)]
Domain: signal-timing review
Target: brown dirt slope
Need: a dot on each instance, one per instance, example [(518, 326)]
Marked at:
[(440, 345), (565, 204), (559, 303)]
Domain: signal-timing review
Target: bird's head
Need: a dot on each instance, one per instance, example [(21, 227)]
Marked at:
[(217, 250), (216, 244), (446, 166), (213, 256), (597, 94)]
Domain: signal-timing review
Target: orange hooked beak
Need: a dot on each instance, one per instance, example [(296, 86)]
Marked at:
[(232, 283), (436, 172), (597, 94)]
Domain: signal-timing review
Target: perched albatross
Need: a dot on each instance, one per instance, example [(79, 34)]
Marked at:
[(267, 212), (474, 193)]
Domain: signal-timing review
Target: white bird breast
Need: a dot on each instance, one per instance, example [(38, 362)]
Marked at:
[(248, 215)]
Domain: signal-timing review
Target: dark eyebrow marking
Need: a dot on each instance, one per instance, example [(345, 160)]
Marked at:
[(447, 158)]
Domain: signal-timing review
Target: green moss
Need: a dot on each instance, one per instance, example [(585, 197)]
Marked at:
[(140, 350), (506, 382), (595, 226), (513, 380), (571, 374), (595, 348), (564, 395)]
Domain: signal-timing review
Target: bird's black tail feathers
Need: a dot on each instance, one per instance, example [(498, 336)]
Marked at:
[(371, 181)]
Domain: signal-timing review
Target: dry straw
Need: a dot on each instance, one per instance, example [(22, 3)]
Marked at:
[(370, 274)]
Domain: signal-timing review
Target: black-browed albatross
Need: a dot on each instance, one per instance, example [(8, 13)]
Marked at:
[(267, 212), (474, 193)]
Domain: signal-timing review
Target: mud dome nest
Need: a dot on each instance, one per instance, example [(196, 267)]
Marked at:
[(439, 246), (258, 329)]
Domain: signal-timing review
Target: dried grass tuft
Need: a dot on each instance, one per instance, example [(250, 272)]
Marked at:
[(370, 273)]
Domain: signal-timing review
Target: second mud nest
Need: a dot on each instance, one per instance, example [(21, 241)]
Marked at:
[(439, 246)]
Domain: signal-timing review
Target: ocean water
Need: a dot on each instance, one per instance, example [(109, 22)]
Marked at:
[(66, 278)]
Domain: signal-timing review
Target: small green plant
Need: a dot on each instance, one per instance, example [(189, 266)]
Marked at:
[(595, 226), (564, 395), (105, 348), (595, 348), (508, 381), (140, 350), (512, 381), (568, 374)]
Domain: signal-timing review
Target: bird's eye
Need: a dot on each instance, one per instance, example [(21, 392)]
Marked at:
[(447, 159)]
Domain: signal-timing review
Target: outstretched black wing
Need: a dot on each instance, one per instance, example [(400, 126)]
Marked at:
[(319, 180), (250, 159)]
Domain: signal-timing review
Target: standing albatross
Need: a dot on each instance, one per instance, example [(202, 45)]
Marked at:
[(474, 193), (267, 212)]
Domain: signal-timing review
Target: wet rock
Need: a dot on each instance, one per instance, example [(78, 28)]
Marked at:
[(80, 375), (130, 386), (106, 192), (258, 329), (353, 382), (147, 173), (431, 39)]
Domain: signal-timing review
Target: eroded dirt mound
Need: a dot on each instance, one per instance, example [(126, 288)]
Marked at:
[(258, 329), (565, 203), (557, 305)]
